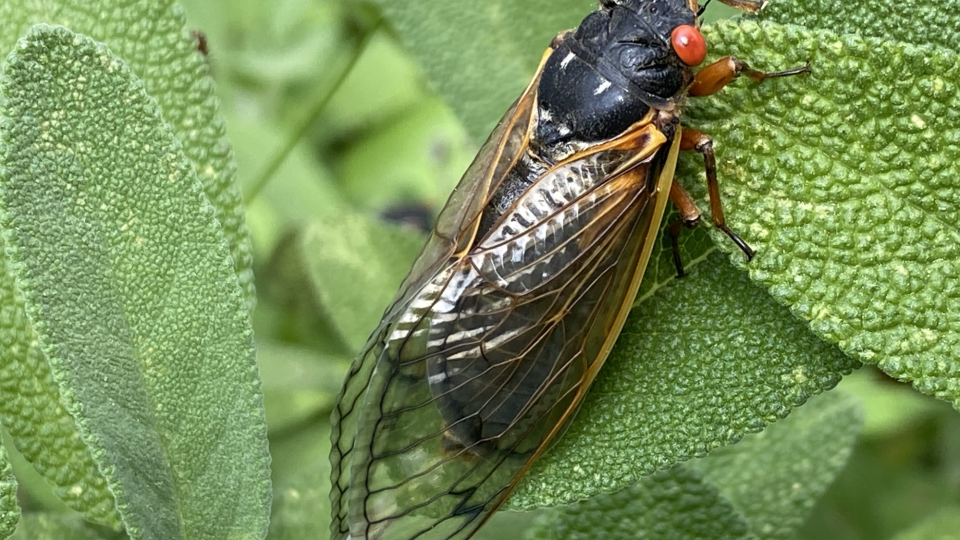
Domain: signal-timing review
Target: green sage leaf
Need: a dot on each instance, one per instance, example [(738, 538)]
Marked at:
[(141, 31), (302, 508), (56, 526), (149, 35), (942, 525), (909, 21), (130, 284), (844, 186), (356, 265)]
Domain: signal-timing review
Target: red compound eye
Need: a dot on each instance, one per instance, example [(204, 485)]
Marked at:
[(689, 45)]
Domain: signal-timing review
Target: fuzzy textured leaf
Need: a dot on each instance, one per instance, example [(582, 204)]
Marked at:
[(131, 287), (141, 31), (61, 526), (149, 35), (909, 21)]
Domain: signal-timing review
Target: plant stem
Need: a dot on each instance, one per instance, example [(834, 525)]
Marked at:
[(308, 119)]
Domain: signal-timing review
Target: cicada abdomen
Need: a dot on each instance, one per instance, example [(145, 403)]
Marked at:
[(517, 297)]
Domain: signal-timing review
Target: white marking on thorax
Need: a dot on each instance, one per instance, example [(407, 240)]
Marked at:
[(602, 88)]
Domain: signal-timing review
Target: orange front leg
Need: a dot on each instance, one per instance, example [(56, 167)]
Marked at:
[(712, 78)]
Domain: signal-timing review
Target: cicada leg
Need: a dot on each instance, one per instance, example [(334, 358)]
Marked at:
[(691, 139), (689, 218), (701, 143), (712, 78), (750, 6)]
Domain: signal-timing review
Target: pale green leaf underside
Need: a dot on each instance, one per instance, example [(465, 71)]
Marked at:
[(844, 182), (130, 285), (942, 525), (356, 266), (9, 509), (672, 505), (775, 477), (141, 31)]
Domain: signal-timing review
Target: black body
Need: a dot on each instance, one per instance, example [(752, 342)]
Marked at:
[(605, 76)]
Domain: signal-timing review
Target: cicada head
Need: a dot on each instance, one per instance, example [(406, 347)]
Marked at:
[(633, 40), (623, 59)]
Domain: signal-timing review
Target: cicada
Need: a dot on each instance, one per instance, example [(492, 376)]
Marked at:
[(524, 284)]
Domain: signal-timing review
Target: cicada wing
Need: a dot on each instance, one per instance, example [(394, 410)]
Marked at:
[(489, 351), (458, 220), (455, 228)]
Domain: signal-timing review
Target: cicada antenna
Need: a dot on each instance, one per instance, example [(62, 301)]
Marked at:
[(703, 8)]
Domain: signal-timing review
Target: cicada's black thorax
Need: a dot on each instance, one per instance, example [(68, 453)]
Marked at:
[(608, 73), (600, 79)]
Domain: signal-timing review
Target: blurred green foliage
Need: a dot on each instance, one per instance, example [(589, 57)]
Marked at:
[(336, 131)]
